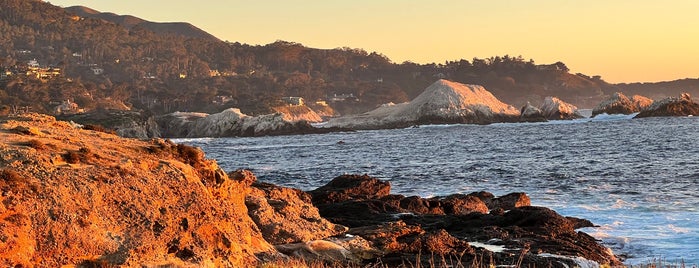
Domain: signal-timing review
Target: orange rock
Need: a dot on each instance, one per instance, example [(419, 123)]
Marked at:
[(127, 202)]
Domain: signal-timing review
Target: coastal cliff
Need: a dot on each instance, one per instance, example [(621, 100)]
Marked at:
[(71, 196), (79, 197)]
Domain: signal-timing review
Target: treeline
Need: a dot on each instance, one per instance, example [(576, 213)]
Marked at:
[(106, 65)]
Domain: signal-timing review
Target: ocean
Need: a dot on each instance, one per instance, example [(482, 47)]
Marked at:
[(638, 179)]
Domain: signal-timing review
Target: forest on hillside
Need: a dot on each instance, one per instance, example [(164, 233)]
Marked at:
[(96, 64)]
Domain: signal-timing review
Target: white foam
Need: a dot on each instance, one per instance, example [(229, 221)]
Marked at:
[(678, 230), (612, 117), (579, 261), (491, 248)]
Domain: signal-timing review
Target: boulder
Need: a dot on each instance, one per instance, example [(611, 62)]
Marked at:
[(510, 201), (285, 215), (459, 204), (443, 102), (620, 104), (529, 113), (682, 106), (351, 187), (641, 102), (555, 109)]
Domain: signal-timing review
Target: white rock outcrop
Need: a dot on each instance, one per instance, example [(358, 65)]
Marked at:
[(620, 104), (442, 102), (530, 113), (555, 109), (229, 123)]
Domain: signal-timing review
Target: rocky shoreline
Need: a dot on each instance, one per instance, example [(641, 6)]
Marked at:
[(444, 102), (478, 227), (175, 207)]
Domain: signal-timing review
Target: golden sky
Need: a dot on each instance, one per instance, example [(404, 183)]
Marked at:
[(621, 40)]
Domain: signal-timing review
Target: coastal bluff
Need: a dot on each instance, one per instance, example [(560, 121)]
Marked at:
[(83, 198), (70, 196)]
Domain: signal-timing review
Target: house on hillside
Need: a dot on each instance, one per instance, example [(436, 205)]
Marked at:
[(96, 70), (33, 64), (293, 101), (343, 97)]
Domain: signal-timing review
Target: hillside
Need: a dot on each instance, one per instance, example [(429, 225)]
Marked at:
[(49, 55), (178, 28), (80, 197)]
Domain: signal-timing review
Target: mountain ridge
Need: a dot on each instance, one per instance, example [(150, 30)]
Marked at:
[(129, 21)]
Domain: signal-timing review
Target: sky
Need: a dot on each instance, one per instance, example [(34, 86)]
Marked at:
[(621, 40)]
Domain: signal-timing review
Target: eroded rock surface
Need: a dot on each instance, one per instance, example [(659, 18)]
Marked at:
[(682, 106), (78, 197)]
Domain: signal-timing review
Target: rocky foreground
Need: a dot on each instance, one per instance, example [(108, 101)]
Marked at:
[(71, 196)]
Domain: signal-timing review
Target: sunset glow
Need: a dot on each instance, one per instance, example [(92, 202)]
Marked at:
[(623, 41)]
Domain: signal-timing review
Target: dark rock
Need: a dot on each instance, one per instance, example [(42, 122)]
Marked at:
[(529, 113), (510, 201), (682, 106), (459, 204), (350, 187), (441, 226), (555, 109)]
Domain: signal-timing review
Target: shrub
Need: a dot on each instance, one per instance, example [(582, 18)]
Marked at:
[(36, 144), (9, 175), (189, 154), (72, 157)]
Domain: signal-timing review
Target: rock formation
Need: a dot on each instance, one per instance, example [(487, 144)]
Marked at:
[(78, 197), (443, 102), (682, 106), (620, 104), (131, 124), (529, 113), (555, 109), (405, 228), (269, 206), (297, 113), (231, 123)]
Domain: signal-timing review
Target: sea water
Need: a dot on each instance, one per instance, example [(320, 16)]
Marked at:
[(638, 179)]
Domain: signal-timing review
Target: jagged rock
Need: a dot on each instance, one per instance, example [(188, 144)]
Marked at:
[(285, 215), (125, 203), (529, 113), (399, 225), (620, 104), (351, 187), (555, 109), (641, 102), (459, 204), (682, 106), (130, 124), (294, 113), (443, 102)]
